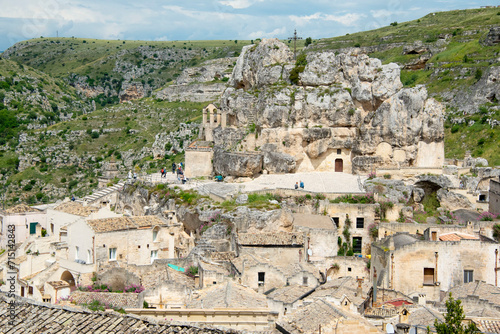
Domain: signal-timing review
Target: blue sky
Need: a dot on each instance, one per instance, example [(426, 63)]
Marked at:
[(206, 19)]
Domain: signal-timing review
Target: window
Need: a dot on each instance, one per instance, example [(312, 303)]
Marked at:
[(154, 255), (360, 222), (52, 228), (46, 300), (112, 254), (434, 236), (304, 280), (335, 220), (339, 151), (33, 228), (468, 276), (261, 278), (155, 234), (482, 198), (428, 276), (30, 290), (357, 244), (89, 256), (77, 250)]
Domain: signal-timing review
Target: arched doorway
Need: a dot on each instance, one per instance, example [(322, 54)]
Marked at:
[(339, 165), (68, 277)]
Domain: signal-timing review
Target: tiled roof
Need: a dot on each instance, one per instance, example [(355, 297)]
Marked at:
[(313, 221), (480, 289), (213, 267), (289, 294), (271, 239), (34, 317), (343, 286), (228, 295), (488, 325), (424, 316), (123, 223), (381, 312), (308, 318), (222, 256), (76, 208), (456, 236), (125, 300), (21, 208)]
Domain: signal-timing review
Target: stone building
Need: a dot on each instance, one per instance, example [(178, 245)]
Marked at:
[(427, 268), (24, 220), (132, 240), (359, 218), (212, 118), (494, 196)]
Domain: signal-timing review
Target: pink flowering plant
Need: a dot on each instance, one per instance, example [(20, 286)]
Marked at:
[(134, 288), (487, 216)]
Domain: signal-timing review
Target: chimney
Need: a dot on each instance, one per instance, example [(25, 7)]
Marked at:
[(359, 290)]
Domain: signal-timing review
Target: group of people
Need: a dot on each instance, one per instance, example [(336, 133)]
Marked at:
[(301, 185), (130, 175), (177, 169)]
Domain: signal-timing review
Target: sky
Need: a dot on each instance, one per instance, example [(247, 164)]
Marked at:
[(207, 19)]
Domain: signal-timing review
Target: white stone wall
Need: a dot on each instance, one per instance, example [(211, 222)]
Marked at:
[(198, 163)]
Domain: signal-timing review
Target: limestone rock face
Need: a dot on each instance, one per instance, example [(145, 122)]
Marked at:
[(260, 64), (226, 163), (345, 106), (453, 201), (251, 220)]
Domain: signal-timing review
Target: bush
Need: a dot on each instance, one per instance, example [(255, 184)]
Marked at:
[(479, 74), (455, 128), (308, 41), (72, 184), (94, 134), (395, 23)]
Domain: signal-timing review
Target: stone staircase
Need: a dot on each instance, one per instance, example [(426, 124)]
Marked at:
[(101, 193)]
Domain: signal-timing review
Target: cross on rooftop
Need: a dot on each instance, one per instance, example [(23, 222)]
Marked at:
[(295, 38)]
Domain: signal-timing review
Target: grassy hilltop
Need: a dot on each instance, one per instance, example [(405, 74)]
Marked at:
[(54, 143)]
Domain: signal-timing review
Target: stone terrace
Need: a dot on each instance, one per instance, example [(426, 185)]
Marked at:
[(35, 317)]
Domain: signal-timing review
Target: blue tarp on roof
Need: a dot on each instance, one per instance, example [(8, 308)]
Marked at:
[(176, 267)]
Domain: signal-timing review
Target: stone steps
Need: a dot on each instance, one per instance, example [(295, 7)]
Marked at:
[(101, 193)]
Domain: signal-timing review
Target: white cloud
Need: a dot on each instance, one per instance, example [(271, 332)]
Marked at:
[(303, 20), (381, 13), (349, 19), (239, 4), (262, 34)]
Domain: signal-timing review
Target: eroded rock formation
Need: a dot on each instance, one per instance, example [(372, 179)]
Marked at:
[(346, 112)]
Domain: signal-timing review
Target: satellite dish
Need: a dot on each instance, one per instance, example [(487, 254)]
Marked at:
[(413, 330), (389, 329), (309, 252)]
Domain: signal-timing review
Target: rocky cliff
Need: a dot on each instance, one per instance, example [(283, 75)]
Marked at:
[(324, 108)]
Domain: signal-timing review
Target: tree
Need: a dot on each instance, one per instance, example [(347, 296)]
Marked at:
[(453, 320), (308, 41)]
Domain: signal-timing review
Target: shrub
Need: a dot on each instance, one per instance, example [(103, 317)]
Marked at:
[(455, 128), (308, 41), (479, 74), (487, 216), (94, 134), (395, 23), (134, 288), (72, 184)]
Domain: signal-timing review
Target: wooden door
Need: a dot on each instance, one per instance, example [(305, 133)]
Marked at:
[(339, 165)]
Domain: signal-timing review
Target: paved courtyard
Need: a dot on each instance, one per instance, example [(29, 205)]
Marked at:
[(322, 182)]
